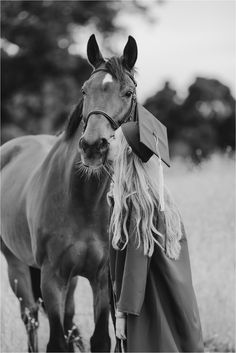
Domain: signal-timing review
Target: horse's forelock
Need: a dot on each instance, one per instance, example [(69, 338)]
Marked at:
[(115, 67)]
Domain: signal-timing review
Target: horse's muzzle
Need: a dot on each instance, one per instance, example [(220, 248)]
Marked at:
[(94, 154), (100, 145)]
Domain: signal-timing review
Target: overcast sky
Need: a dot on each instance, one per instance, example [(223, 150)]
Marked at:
[(191, 38)]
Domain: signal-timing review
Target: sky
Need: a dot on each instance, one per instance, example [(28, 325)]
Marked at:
[(190, 38)]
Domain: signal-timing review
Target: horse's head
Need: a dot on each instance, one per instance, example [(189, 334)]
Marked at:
[(109, 99)]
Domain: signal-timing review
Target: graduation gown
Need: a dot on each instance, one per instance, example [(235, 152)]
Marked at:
[(157, 295)]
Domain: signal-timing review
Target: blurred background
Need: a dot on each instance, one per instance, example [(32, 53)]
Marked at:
[(186, 77), (185, 65)]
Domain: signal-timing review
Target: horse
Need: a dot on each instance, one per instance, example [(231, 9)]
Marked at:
[(54, 209)]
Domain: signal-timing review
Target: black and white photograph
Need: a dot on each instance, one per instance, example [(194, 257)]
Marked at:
[(117, 176)]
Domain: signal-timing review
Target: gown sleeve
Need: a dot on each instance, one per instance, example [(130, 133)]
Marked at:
[(134, 278)]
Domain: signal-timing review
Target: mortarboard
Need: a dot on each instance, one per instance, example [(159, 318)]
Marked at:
[(132, 136), (147, 136)]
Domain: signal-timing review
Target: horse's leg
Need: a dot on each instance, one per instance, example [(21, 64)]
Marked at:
[(71, 330), (20, 281), (70, 306), (54, 290), (100, 341)]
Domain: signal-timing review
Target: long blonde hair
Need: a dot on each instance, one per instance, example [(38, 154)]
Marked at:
[(136, 186)]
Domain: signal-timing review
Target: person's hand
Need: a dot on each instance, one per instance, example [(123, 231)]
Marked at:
[(120, 327)]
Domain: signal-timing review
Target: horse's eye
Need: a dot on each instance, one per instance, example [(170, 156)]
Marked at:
[(83, 92), (128, 94)]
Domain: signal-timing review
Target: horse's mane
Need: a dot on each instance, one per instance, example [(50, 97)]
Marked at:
[(74, 120), (116, 68)]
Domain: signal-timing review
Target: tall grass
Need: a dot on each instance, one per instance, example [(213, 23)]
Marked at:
[(205, 195)]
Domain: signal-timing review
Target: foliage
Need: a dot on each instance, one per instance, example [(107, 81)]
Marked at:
[(203, 122), (42, 76)]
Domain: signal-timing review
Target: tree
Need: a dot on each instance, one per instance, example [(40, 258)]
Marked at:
[(203, 122), (40, 76), (208, 111), (164, 104)]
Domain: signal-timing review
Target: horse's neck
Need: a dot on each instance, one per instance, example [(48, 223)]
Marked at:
[(89, 192)]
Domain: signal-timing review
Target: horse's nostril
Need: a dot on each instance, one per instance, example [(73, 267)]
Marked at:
[(83, 144), (103, 144), (99, 146)]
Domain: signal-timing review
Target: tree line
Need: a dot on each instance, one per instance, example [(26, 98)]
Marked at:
[(201, 123), (42, 76)]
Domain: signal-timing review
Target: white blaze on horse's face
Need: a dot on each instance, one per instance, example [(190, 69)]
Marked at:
[(108, 78)]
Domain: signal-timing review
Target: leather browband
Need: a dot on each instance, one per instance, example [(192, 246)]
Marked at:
[(126, 71)]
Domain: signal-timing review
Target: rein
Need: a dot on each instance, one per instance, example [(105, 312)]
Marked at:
[(128, 117)]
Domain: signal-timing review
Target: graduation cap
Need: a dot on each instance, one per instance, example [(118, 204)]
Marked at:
[(147, 136)]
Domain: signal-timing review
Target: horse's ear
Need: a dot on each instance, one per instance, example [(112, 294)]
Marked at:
[(130, 53), (74, 120), (95, 57)]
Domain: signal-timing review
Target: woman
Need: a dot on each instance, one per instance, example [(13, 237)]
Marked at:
[(152, 298)]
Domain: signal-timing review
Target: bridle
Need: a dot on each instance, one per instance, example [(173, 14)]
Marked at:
[(129, 115)]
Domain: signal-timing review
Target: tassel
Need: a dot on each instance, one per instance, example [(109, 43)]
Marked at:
[(161, 178), (161, 186)]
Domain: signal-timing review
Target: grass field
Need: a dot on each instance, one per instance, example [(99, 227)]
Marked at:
[(205, 195)]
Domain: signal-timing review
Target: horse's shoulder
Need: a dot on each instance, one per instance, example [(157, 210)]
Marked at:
[(15, 147)]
